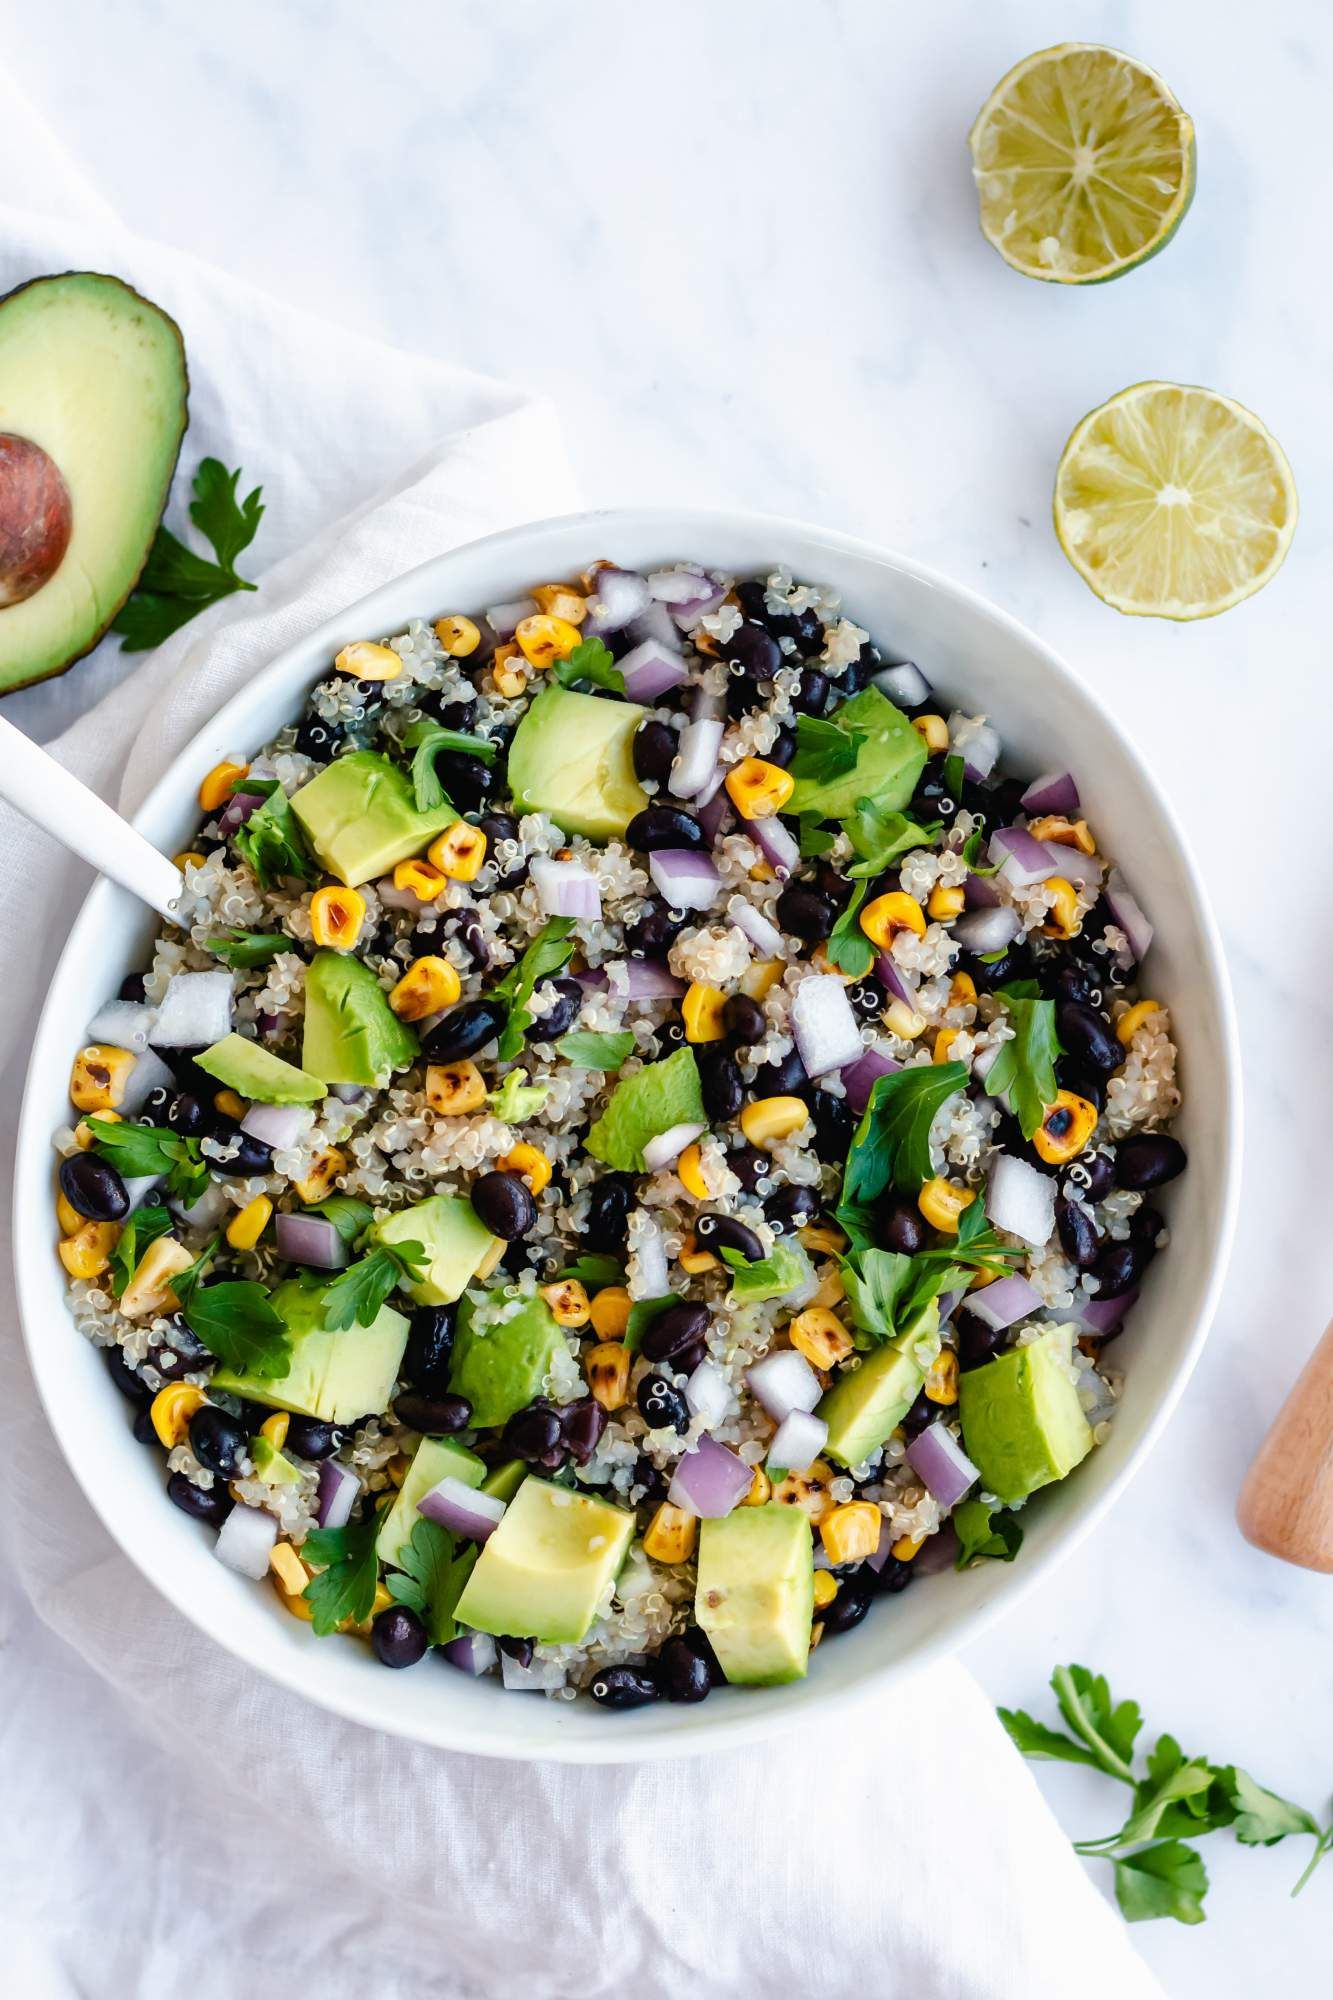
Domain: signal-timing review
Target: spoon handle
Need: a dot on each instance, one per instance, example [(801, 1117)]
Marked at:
[(44, 792), (1286, 1503)]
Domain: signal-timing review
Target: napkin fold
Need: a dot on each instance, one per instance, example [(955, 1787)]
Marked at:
[(174, 1821)]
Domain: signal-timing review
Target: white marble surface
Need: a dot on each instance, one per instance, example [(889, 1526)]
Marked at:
[(736, 243)]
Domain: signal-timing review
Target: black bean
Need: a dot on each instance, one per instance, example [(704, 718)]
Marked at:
[(754, 650), (1071, 980), (246, 1156), (499, 826), (791, 1208), (1093, 1088), (1148, 1160), (868, 999), (699, 1642), (1119, 1266), (520, 1651), (661, 1404), (1146, 1225), (834, 1126), (786, 1078), (673, 1331), (310, 1437), (744, 1020), (750, 1166), (658, 827), (686, 1363), (318, 739), (187, 1115), (721, 1082), (561, 1014), (517, 1258), (921, 1415), (430, 1345), (812, 696), (534, 1433), (212, 1506), (1077, 1232), (187, 1352), (468, 782), (837, 888), (449, 709), (131, 987), (671, 1033), (218, 1440), (902, 1226), (894, 1576), (398, 1637), (609, 1203), (650, 1478), (977, 1342), (998, 969), (682, 1674), (654, 751), (725, 1232), (623, 1687), (848, 1608), (1100, 1171), (143, 1428), (93, 1187), (1087, 1037), (463, 1031), (805, 913), (581, 1427), (433, 1416), (155, 1106), (782, 749), (128, 1380), (743, 695), (653, 930)]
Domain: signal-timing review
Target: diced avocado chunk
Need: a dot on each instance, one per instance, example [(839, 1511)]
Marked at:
[(272, 1465), (755, 1595), (1023, 1424), (335, 1376), (542, 1573), (867, 1404), (503, 1481), (501, 1365), (455, 1239), (352, 1034), (434, 1459), (360, 816), (655, 1098), (573, 757), (254, 1072), (888, 763)]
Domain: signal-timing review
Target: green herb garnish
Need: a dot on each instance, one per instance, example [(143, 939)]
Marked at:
[(345, 1588), (812, 838), (773, 1277), (140, 1228), (881, 837), (955, 776), (517, 1099), (175, 584), (1023, 1072), (137, 1150), (589, 1050), (984, 1530), (848, 946), (271, 840), (234, 1319), (430, 1578), (427, 740), (641, 1316), (823, 751), (356, 1295), (247, 948), (591, 661), (887, 1291), (348, 1215), (594, 1271), (891, 1145), (552, 948)]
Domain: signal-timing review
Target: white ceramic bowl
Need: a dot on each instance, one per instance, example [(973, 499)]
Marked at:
[(1046, 720)]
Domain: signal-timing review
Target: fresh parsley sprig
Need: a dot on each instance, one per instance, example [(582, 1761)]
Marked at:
[(356, 1295), (248, 948), (552, 948), (271, 840), (517, 1098), (141, 1227), (984, 1529), (595, 1270), (586, 1049), (427, 740), (848, 946), (1023, 1072), (591, 661), (882, 837), (176, 584), (137, 1150), (235, 1320), (891, 1145), (430, 1577), (887, 1291), (344, 1589)]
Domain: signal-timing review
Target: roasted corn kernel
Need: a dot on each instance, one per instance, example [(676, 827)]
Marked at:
[(889, 914), (607, 1367), (824, 1238), (509, 677), (934, 733), (1065, 1129), (962, 990), (900, 1019), (68, 1220), (336, 916), (275, 1429), (84, 1136), (761, 1489), (826, 1589), (850, 1532), (761, 976), (559, 600), (759, 789), (219, 785), (1065, 832), (568, 1302), (366, 661), (87, 1253), (610, 1312), (767, 1120), (323, 1172), (906, 1547), (149, 1290), (689, 1170), (530, 1161), (942, 1202), (808, 1490), (944, 1041), (420, 879), (171, 1410), (701, 1011), (459, 852), (428, 985), (228, 1104), (1063, 919), (945, 904), (98, 1078), (543, 639), (189, 857), (249, 1223), (289, 1571), (820, 1336), (941, 1383), (454, 1089), (671, 1534), (694, 1260), (1133, 1019), (457, 635)]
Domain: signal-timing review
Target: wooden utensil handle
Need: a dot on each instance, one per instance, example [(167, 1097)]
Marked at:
[(1286, 1503)]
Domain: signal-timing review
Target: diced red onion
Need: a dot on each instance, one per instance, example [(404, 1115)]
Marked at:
[(828, 1035), (657, 623), (593, 979), (618, 595), (239, 808), (310, 1239), (645, 979), (797, 1442), (195, 1011), (948, 1303), (401, 899), (123, 1023), (1021, 1200), (462, 1509), (472, 1653), (1105, 1316), (139, 1186), (986, 931), (1003, 1303), (764, 936), (149, 1073), (270, 1026), (710, 1480), (1128, 914), (783, 1382), (1083, 870), (941, 1464), (650, 669), (979, 893), (706, 704), (707, 1394), (975, 742), (565, 888), (336, 1494), (690, 592), (696, 757), (278, 1125), (518, 1679), (858, 1079), (902, 985), (777, 844), (347, 1093), (666, 1147), (714, 815), (905, 684), (1022, 860), (939, 1551), (711, 788), (209, 1211), (1052, 792), (652, 1276), (504, 619), (689, 880), (887, 1538), (245, 1539)]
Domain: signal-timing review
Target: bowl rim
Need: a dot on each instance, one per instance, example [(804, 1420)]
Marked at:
[(716, 1731)]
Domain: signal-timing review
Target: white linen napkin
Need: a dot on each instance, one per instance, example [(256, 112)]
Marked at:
[(171, 1820)]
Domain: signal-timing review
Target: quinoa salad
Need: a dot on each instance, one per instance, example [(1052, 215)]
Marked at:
[(638, 1146)]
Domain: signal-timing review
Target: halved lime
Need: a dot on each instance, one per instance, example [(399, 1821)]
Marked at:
[(1084, 163), (1174, 502)]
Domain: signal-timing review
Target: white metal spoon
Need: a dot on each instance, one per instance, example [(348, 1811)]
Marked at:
[(44, 792)]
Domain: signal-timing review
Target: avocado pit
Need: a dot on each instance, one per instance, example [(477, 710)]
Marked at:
[(36, 518)]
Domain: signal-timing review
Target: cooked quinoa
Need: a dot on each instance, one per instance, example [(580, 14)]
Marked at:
[(801, 877)]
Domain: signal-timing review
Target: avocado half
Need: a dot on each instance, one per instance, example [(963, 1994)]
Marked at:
[(93, 391)]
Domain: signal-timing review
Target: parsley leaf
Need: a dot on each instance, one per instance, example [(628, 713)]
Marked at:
[(1108, 1730), (348, 1215), (589, 1050), (141, 1227), (517, 1098), (552, 948), (873, 1281), (429, 1579), (270, 839), (1262, 1818), (245, 948), (1168, 1880), (356, 1295), (136, 1150), (591, 661), (887, 1292), (345, 1588), (984, 1530), (1033, 1738), (594, 1270), (1023, 1073), (175, 584), (848, 946), (891, 1145), (427, 739), (881, 837), (823, 750), (785, 1268), (235, 1320), (812, 838), (955, 776)]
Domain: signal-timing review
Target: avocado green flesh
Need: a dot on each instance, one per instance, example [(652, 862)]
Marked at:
[(573, 757), (503, 1481), (543, 1571), (500, 1367), (271, 1464), (887, 766), (652, 1101), (1023, 1424), (454, 1238), (361, 818), (256, 1073), (866, 1404), (333, 1375), (434, 1459), (95, 375), (755, 1595), (351, 1034)]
